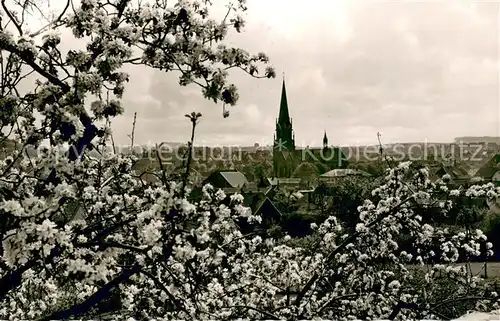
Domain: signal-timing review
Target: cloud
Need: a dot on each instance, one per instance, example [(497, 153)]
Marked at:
[(253, 113), (412, 70)]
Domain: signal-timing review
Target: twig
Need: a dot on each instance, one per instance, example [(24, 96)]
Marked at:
[(468, 298), (131, 136), (112, 138), (160, 162), (105, 245), (381, 150), (12, 18), (194, 120), (52, 23), (267, 314), (413, 306), (177, 303), (95, 298)]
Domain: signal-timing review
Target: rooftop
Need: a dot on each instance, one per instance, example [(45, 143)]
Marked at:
[(235, 179), (340, 172)]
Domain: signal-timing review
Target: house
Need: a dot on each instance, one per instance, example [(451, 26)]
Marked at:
[(279, 181), (253, 197), (263, 182), (257, 196), (268, 211), (341, 172), (233, 181), (307, 194), (261, 204), (458, 175), (335, 174), (491, 170), (227, 180), (271, 191)]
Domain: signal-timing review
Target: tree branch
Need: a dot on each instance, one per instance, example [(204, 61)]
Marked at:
[(95, 298), (12, 18), (30, 62), (413, 306), (349, 240)]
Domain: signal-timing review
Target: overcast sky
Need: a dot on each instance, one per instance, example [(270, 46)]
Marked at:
[(412, 70)]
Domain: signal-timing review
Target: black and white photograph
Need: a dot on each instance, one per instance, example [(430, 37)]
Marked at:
[(249, 160)]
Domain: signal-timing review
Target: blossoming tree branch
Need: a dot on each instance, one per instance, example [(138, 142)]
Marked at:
[(81, 231)]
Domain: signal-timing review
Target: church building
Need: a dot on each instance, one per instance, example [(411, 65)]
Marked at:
[(286, 157)]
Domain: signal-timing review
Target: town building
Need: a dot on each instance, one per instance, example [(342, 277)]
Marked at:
[(490, 171), (287, 157)]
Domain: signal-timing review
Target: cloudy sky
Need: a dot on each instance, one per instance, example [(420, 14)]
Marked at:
[(412, 70)]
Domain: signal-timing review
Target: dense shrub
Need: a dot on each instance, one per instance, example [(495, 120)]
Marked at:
[(299, 224)]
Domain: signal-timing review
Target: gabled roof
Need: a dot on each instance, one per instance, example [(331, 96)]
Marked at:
[(253, 200), (270, 191), (226, 179), (490, 168), (235, 179), (272, 181), (453, 171), (263, 182), (268, 202)]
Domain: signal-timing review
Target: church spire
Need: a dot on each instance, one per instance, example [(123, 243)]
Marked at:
[(284, 131), (325, 140), (284, 116)]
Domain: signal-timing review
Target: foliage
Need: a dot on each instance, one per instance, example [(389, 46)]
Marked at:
[(247, 170), (469, 212), (259, 172), (307, 243), (286, 199), (374, 168), (491, 227), (298, 224), (445, 289), (343, 197), (322, 168), (305, 170)]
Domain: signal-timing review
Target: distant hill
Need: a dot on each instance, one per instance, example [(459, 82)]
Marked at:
[(478, 139), (173, 145)]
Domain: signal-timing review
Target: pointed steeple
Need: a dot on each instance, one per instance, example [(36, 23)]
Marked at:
[(284, 116), (325, 140), (285, 138)]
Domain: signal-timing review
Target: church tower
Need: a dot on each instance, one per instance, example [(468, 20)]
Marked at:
[(284, 138), (325, 141)]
